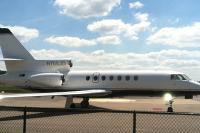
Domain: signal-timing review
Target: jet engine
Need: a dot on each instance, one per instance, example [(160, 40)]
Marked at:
[(48, 79)]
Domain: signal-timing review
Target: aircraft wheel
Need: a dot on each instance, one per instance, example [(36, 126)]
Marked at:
[(73, 105), (169, 109), (84, 104)]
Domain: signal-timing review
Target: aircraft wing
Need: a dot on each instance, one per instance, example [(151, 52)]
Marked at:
[(68, 93)]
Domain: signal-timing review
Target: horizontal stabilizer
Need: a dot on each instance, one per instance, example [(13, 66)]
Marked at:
[(69, 93)]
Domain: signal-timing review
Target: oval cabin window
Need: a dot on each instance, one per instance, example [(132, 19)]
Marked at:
[(87, 78), (111, 78), (103, 78), (135, 78), (119, 78), (127, 78), (95, 78)]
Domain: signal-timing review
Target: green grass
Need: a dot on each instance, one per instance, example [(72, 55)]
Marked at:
[(12, 89)]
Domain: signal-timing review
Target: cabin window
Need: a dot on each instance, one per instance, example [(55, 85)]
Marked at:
[(111, 78), (95, 78), (103, 78), (119, 78), (87, 78), (127, 78), (22, 75), (135, 78)]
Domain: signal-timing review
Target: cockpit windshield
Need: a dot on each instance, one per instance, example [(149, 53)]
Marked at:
[(186, 77), (179, 77)]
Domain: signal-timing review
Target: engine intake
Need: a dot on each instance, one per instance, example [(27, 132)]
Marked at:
[(48, 79)]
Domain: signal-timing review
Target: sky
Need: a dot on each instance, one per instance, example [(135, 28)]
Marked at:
[(109, 34)]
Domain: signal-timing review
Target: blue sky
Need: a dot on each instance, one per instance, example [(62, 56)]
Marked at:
[(135, 34)]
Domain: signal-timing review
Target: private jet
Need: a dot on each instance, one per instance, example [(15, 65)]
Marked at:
[(57, 78)]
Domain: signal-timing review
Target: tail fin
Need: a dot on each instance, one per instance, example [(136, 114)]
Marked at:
[(11, 47), (18, 59)]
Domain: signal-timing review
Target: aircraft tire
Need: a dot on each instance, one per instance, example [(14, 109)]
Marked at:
[(73, 105), (169, 109), (84, 104)]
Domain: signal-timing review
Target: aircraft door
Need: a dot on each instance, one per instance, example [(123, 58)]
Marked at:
[(95, 77)]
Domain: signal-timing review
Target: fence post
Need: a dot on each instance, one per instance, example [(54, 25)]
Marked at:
[(134, 121), (24, 120)]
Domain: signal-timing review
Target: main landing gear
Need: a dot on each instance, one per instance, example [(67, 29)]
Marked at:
[(70, 104), (85, 103)]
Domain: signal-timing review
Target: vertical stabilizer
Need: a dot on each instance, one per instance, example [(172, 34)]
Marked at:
[(11, 47), (18, 59)]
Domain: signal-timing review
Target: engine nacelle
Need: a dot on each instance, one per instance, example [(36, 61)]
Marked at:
[(47, 79)]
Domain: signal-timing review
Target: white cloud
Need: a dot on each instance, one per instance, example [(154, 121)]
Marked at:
[(107, 26), (136, 5), (173, 21), (24, 34), (188, 36), (68, 41), (142, 16), (178, 60), (108, 40), (98, 52), (86, 8), (117, 26)]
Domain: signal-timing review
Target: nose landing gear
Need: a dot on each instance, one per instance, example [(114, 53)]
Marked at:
[(169, 99), (170, 108)]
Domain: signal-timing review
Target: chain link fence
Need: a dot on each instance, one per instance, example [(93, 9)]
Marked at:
[(153, 122), (51, 120)]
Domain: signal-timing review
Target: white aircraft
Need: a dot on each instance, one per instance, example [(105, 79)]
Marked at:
[(24, 71)]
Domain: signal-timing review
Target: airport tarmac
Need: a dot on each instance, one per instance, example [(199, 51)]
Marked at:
[(124, 103), (101, 122)]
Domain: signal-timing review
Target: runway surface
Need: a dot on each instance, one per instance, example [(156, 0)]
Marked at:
[(124, 103), (11, 121)]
